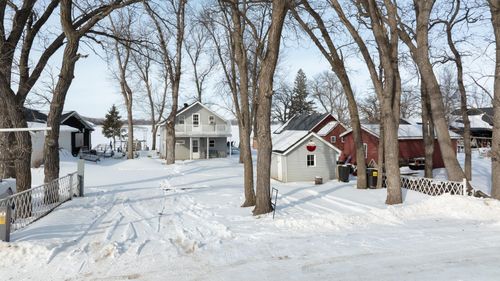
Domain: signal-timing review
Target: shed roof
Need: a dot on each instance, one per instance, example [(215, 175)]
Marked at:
[(285, 140), (328, 128)]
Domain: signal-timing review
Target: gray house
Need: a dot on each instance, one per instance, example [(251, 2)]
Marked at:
[(200, 133), (302, 156)]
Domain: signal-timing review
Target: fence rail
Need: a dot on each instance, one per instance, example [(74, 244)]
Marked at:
[(30, 205), (433, 187)]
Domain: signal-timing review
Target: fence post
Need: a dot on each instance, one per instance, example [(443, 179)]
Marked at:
[(5, 224), (81, 176), (464, 186)]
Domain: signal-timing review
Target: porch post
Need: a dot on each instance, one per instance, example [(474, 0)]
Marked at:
[(190, 148), (230, 148), (208, 141)]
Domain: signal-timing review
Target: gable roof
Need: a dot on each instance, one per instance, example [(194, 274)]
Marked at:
[(67, 115), (302, 122), (287, 141), (202, 105), (405, 132), (329, 127)]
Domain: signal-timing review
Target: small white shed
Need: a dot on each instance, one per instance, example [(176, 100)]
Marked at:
[(302, 156)]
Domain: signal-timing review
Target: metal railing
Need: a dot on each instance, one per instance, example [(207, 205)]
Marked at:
[(203, 128), (32, 204), (433, 187)]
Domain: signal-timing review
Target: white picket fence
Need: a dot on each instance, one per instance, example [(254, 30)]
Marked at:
[(433, 187)]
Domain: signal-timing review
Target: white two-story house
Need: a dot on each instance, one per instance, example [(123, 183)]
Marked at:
[(200, 133)]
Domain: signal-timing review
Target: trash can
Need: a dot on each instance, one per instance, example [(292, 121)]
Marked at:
[(371, 177), (344, 172), (318, 180)]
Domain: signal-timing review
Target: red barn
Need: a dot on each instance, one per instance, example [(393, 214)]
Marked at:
[(411, 144)]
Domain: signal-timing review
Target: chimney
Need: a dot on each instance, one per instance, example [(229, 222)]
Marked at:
[(186, 105)]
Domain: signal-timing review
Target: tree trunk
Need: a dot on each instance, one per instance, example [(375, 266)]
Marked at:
[(263, 196), (130, 128), (391, 152), (495, 142), (7, 141), (170, 140), (453, 169), (427, 130), (380, 156), (246, 151), (154, 129)]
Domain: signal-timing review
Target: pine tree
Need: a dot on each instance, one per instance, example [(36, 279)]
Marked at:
[(112, 125), (300, 104)]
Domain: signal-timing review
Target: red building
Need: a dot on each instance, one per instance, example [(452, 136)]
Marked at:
[(411, 144)]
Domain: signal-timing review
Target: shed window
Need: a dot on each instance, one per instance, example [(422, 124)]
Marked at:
[(333, 139), (181, 120), (211, 143), (311, 160), (341, 139), (211, 120)]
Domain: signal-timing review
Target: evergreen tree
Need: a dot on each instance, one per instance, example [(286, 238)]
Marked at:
[(112, 125), (300, 104)]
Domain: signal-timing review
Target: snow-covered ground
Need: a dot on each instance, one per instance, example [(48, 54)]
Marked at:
[(144, 220)]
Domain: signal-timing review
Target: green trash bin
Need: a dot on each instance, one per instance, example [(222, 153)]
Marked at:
[(344, 172)]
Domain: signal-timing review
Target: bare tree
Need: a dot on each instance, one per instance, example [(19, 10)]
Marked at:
[(120, 63), (155, 96), (171, 54), (495, 144), (331, 52), (327, 90), (417, 41), (201, 57), (282, 101)]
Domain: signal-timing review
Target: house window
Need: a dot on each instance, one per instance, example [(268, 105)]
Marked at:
[(181, 120), (211, 143), (333, 139), (196, 120), (180, 142), (211, 120), (311, 160), (342, 139), (365, 149)]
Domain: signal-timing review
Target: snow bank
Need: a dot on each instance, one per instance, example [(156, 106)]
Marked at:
[(438, 208)]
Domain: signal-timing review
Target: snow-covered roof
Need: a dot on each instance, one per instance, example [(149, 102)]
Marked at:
[(476, 121), (327, 128), (405, 132), (287, 138), (62, 128)]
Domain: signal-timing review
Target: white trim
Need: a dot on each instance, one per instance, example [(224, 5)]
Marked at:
[(308, 136), (8, 130), (179, 142), (365, 148), (78, 116), (204, 106)]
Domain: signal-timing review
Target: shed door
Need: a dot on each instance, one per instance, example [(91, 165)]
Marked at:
[(280, 168), (78, 140)]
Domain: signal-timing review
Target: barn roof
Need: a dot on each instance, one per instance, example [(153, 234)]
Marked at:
[(328, 128), (302, 122), (405, 132)]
